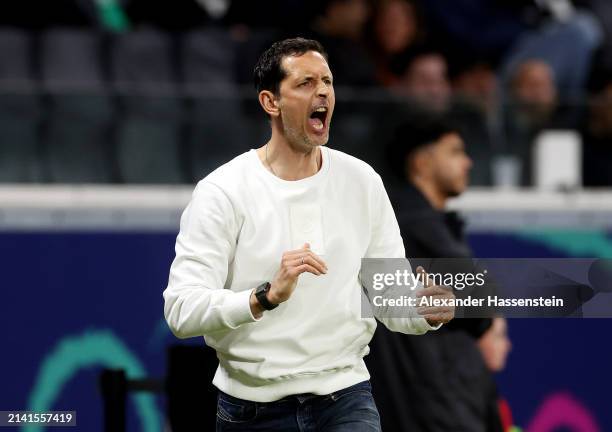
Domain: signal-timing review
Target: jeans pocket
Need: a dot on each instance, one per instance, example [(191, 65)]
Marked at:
[(234, 410), (364, 388)]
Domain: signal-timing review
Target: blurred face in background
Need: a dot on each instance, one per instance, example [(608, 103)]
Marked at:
[(533, 87), (495, 345), (425, 81), (395, 26), (478, 85), (306, 100), (444, 164), (346, 18)]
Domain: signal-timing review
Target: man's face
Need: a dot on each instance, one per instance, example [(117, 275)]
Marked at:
[(306, 100), (448, 165)]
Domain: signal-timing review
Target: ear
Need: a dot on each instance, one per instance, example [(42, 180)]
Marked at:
[(269, 103), (419, 162)]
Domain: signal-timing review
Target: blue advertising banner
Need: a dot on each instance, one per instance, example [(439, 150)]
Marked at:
[(77, 301)]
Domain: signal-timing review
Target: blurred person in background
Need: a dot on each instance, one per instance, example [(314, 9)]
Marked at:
[(425, 85), (429, 165), (532, 105), (565, 40), (421, 86), (474, 82), (534, 93), (424, 80), (602, 9), (395, 27), (475, 110), (340, 25), (509, 32), (495, 345)]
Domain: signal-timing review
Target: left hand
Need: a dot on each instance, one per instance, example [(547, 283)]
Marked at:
[(435, 314)]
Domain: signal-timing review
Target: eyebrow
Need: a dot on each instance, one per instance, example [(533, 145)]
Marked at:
[(310, 77)]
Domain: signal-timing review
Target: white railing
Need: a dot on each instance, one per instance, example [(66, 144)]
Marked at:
[(53, 207)]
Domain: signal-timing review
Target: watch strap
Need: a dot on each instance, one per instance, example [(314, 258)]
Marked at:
[(260, 295)]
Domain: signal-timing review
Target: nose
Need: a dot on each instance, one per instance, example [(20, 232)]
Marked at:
[(468, 162), (323, 90)]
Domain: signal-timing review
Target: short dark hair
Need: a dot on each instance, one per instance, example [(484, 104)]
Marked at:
[(402, 62), (415, 132), (268, 72)]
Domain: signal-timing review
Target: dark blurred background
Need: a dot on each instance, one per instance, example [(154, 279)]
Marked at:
[(134, 91)]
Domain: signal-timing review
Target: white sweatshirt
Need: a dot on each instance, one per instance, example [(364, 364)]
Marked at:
[(233, 233)]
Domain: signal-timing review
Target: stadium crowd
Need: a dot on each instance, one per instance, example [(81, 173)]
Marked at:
[(502, 70)]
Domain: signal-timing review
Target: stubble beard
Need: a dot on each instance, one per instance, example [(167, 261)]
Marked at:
[(298, 139)]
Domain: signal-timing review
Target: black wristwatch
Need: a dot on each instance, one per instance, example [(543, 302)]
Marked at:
[(260, 295)]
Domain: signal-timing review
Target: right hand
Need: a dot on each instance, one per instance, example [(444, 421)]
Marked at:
[(293, 264)]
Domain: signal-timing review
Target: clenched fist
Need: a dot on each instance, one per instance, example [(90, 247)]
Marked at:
[(293, 264)]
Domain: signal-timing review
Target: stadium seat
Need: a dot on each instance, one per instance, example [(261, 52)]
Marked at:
[(207, 57), (19, 109), (147, 151), (149, 129), (216, 128), (77, 136)]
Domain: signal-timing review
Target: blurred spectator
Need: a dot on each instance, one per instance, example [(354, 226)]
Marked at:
[(532, 105), (602, 9), (475, 109), (509, 32), (339, 26), (416, 378), (424, 80), (533, 90), (394, 28), (425, 85), (597, 139), (567, 47), (488, 28), (343, 19), (474, 82)]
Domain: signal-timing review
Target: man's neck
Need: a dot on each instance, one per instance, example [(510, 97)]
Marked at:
[(432, 194), (288, 163)]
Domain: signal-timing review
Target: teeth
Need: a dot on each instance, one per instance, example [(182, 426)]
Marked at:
[(318, 126), (321, 109)]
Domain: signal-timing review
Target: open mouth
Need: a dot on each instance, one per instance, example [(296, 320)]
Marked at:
[(318, 118)]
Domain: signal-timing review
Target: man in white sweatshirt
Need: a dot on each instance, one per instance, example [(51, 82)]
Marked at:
[(268, 260)]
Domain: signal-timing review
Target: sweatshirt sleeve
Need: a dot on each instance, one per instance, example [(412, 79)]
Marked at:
[(386, 242), (195, 301)]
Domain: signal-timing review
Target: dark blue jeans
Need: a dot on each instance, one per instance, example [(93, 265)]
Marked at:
[(351, 409)]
